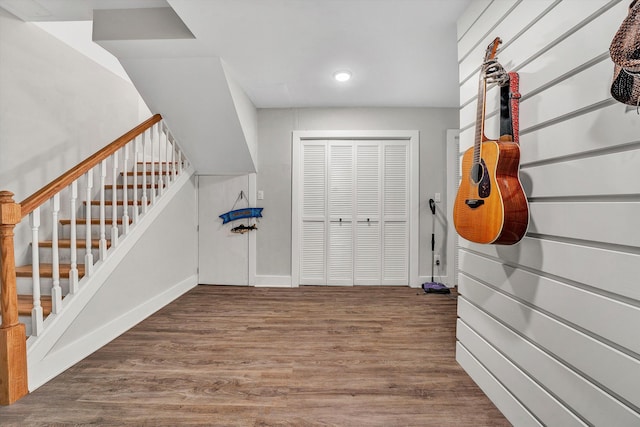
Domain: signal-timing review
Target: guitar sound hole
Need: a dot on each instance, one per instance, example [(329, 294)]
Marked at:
[(477, 171)]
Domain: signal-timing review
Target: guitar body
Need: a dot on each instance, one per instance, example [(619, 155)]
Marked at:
[(494, 209), (491, 206)]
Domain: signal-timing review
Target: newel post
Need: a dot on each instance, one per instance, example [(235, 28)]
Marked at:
[(13, 345)]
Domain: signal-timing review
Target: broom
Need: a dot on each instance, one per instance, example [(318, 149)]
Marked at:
[(434, 287)]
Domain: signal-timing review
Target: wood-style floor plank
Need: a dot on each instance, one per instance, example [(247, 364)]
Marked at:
[(238, 356)]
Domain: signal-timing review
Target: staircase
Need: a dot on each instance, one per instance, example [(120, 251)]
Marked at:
[(76, 224), (100, 230)]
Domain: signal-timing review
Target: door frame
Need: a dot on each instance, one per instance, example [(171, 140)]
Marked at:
[(413, 138), (454, 158)]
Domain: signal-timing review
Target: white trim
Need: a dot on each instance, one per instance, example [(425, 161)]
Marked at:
[(413, 136), (197, 185), (354, 134), (296, 177), (42, 371), (252, 190), (453, 179), (272, 281), (414, 213), (57, 324)]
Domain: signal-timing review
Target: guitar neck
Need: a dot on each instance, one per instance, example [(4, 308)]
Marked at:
[(477, 146)]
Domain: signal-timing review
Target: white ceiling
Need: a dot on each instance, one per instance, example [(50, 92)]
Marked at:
[(283, 53)]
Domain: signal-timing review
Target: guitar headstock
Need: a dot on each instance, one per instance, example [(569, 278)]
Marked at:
[(492, 49), (491, 69)]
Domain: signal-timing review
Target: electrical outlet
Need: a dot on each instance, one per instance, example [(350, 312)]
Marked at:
[(436, 259)]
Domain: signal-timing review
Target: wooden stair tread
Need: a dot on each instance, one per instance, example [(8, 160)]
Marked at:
[(46, 270), (156, 172), (94, 221), (130, 186), (66, 243), (164, 165), (159, 163), (119, 202), (25, 305)]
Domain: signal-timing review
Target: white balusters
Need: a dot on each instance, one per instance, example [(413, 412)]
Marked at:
[(136, 145), (173, 158), (143, 200), (161, 176), (114, 200), (167, 158), (125, 189), (56, 291), (102, 245), (167, 171), (88, 257), (36, 313), (73, 271), (154, 133)]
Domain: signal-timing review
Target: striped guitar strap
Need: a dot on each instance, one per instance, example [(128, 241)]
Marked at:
[(509, 104)]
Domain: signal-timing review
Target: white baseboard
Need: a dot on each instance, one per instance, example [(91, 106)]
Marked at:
[(273, 282), (57, 362), (285, 281)]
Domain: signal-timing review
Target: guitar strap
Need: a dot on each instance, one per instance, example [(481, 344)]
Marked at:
[(509, 104)]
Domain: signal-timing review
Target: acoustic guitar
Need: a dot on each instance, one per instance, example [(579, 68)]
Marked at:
[(490, 206)]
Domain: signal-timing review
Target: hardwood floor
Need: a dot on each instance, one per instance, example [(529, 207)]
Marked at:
[(237, 356)]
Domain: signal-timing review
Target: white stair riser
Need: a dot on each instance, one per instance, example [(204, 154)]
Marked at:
[(109, 195), (95, 211), (81, 227), (64, 254), (24, 285)]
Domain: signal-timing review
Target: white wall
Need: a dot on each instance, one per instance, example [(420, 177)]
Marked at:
[(246, 111), (548, 327), (273, 244), (57, 107)]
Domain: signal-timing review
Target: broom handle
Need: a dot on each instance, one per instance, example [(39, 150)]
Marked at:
[(433, 246), (432, 206)]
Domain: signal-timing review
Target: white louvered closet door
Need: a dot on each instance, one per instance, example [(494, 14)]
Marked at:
[(341, 193), (314, 211), (355, 213), (367, 268), (395, 206)]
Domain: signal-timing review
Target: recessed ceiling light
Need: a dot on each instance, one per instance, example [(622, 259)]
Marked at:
[(342, 76)]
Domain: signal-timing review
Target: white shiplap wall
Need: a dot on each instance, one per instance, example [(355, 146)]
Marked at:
[(549, 328)]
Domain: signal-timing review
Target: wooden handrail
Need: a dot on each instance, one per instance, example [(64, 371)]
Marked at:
[(64, 180)]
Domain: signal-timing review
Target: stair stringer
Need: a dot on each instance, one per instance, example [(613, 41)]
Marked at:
[(51, 353)]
